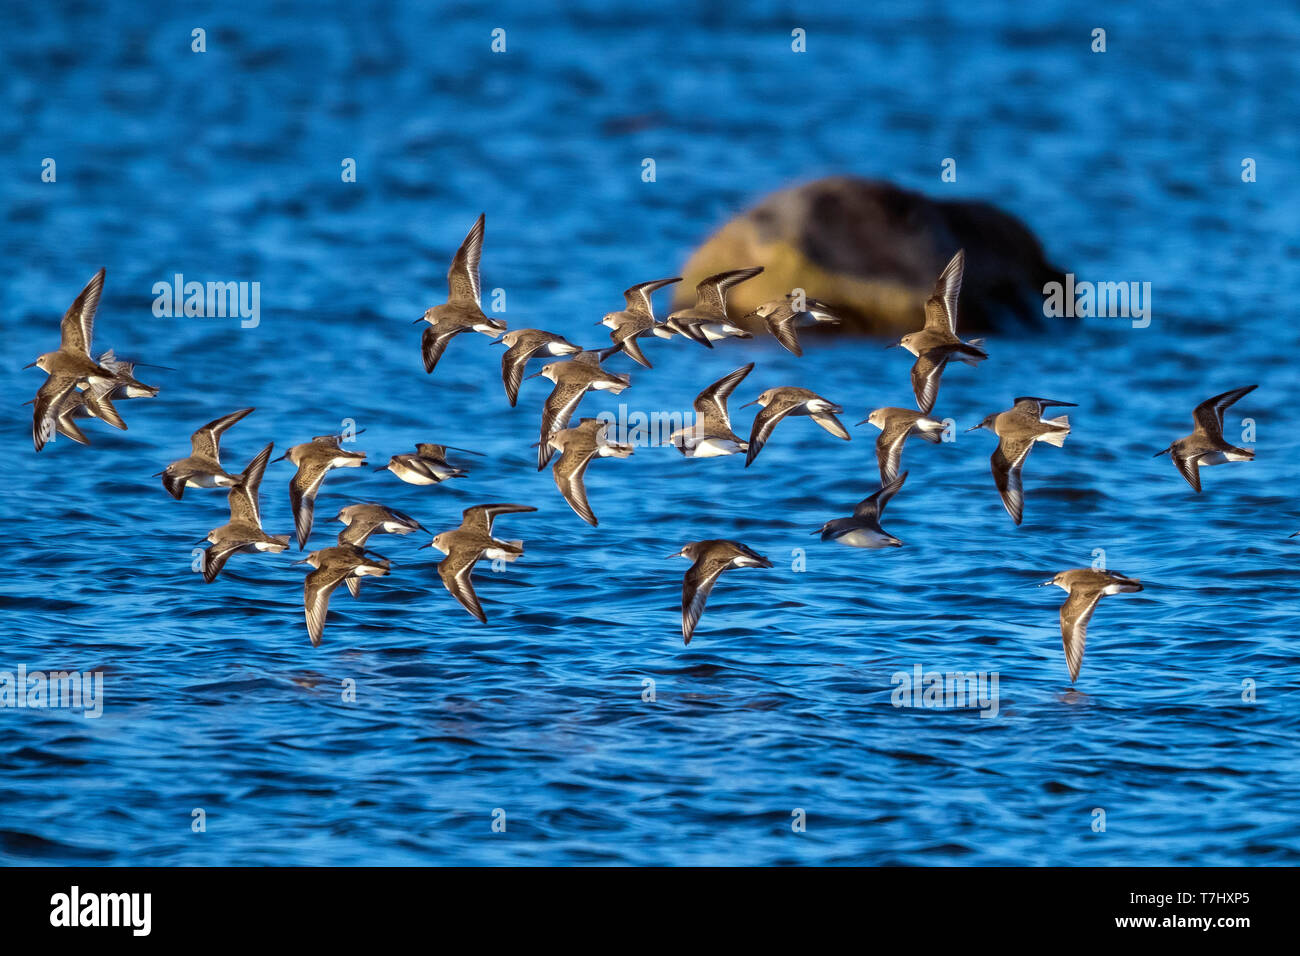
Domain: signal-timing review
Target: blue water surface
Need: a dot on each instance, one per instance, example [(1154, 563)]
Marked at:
[(225, 166)]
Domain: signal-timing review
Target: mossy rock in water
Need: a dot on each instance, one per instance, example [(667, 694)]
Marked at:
[(874, 251)]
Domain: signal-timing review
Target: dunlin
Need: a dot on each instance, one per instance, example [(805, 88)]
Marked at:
[(783, 315), (523, 344), (366, 518), (466, 545), (863, 530), (573, 378), (577, 447), (125, 384), (711, 436), (202, 469), (1085, 587), (243, 532), (343, 562), (314, 459), (1205, 445), (778, 403), (1018, 429), (71, 365), (462, 312), (637, 319), (709, 559), (895, 425), (428, 465), (707, 320), (935, 344)]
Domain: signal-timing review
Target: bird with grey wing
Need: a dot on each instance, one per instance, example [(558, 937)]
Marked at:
[(1085, 587), (708, 560), (243, 532), (1018, 429), (706, 321), (1205, 445), (466, 545), (314, 459), (710, 435), (779, 404), (637, 320), (202, 468), (896, 426), (862, 528), (463, 310)]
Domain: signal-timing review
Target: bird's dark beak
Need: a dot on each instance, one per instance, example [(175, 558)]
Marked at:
[(534, 375), (893, 345), (675, 554), (418, 321), (863, 422), (281, 458), (747, 404), (499, 340), (30, 365), (299, 561), (975, 428), (382, 468)]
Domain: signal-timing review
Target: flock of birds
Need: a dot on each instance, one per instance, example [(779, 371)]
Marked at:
[(79, 387)]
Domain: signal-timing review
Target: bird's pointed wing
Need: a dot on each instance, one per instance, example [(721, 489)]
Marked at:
[(781, 324), (1190, 469), (638, 297), (764, 422), (629, 345), (874, 504), (455, 571), (568, 472), (243, 497), (479, 518), (696, 585), (433, 342), (889, 447), (462, 277), (926, 372), (100, 405), (1076, 612), (302, 497), (830, 423), (512, 368), (711, 293), (206, 442), (78, 323), (1007, 460), (1209, 414), (556, 413), (47, 405), (316, 591), (215, 558), (941, 307), (711, 404)]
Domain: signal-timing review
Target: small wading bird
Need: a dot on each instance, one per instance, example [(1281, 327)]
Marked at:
[(314, 458), (523, 344), (70, 366), (1018, 429), (1085, 587), (706, 321), (466, 545), (428, 465), (577, 447), (711, 434), (1205, 445), (573, 378), (243, 532), (366, 518), (862, 529), (463, 311), (782, 316), (937, 342), (637, 320), (98, 403), (896, 425), (343, 562), (709, 559), (779, 403), (202, 469)]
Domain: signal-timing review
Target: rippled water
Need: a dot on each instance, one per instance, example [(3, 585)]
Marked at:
[(225, 166)]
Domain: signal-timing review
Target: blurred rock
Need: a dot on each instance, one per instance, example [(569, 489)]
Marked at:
[(875, 250)]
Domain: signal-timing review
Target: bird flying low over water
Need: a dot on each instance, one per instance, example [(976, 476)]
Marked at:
[(1205, 445), (243, 532), (896, 425), (637, 320), (937, 342), (779, 403), (314, 458), (1018, 429), (427, 465), (202, 469), (1085, 587), (367, 517), (577, 447), (706, 321), (782, 317), (711, 435), (466, 545), (573, 378), (862, 529), (523, 344), (343, 562), (462, 312), (709, 559), (71, 366)]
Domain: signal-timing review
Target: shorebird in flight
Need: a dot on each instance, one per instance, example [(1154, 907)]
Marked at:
[(637, 320), (202, 469), (937, 342), (466, 545), (523, 344), (1205, 445), (783, 315), (711, 434), (463, 311), (427, 465), (709, 559), (243, 532), (1085, 587), (706, 321), (1018, 428), (896, 426), (577, 447), (779, 403), (862, 529), (573, 378), (314, 458), (335, 565)]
